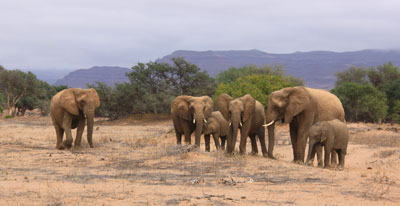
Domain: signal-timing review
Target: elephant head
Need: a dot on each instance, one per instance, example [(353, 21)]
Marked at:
[(286, 103), (238, 112), (77, 101), (196, 110)]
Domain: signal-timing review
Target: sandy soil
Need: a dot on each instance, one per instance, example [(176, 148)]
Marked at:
[(138, 163)]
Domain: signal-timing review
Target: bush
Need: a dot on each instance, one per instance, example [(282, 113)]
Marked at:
[(258, 86), (362, 102)]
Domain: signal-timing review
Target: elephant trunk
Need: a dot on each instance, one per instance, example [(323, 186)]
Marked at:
[(199, 120), (271, 139), (90, 122), (232, 138)]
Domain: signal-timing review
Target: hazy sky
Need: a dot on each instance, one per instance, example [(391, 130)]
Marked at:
[(73, 34)]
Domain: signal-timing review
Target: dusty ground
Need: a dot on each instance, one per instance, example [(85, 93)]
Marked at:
[(137, 163)]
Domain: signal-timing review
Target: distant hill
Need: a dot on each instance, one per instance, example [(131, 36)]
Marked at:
[(317, 68), (108, 75)]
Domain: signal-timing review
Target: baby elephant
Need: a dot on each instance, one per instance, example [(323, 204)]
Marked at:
[(218, 127), (333, 135)]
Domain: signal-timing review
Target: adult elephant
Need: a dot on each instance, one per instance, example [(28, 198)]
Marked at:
[(189, 114), (300, 107), (70, 109), (247, 114)]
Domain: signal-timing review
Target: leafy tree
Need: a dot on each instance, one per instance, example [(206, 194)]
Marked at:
[(352, 74), (16, 84), (234, 73), (362, 102), (59, 88), (384, 74), (395, 115), (259, 86), (1, 102)]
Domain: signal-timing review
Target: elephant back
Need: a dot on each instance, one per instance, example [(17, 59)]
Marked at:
[(329, 106)]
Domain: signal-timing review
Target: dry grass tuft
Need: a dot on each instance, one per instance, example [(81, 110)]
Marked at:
[(376, 138), (386, 153)]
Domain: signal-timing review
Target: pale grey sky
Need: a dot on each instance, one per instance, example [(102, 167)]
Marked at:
[(73, 34)]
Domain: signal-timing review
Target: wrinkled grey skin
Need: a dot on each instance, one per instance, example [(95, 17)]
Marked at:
[(70, 109), (300, 107), (189, 115), (218, 127), (246, 114), (333, 135)]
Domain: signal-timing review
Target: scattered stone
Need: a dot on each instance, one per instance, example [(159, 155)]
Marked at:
[(197, 180), (369, 168), (243, 197)]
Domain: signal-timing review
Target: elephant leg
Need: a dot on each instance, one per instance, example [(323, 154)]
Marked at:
[(60, 134), (261, 137), (79, 132), (67, 121), (293, 137), (327, 156), (342, 155), (187, 132), (216, 141), (302, 136), (223, 140), (334, 158), (207, 142), (254, 149), (318, 149), (178, 137)]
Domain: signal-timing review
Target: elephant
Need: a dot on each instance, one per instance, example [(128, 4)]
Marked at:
[(218, 126), (70, 109), (333, 135), (189, 115), (247, 114), (300, 107)]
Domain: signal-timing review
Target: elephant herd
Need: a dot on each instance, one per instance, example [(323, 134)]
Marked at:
[(313, 113)]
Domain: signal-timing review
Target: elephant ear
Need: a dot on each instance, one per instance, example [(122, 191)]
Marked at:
[(249, 106), (96, 97), (68, 101), (182, 105), (222, 105), (209, 106), (298, 100), (326, 131)]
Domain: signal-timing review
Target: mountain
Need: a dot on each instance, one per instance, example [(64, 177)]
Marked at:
[(317, 68), (108, 75)]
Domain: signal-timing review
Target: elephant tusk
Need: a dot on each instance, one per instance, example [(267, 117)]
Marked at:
[(205, 121), (241, 124), (194, 121), (230, 124), (266, 125)]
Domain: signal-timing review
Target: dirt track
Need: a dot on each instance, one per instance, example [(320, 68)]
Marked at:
[(138, 163)]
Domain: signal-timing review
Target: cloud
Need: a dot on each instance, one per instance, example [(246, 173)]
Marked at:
[(45, 34)]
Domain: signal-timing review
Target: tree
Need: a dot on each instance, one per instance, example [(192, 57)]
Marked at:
[(233, 73), (257, 85), (1, 102), (362, 102), (352, 74), (16, 84)]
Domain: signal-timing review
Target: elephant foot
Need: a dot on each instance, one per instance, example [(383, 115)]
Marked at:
[(254, 153), (299, 162), (67, 145), (309, 162), (270, 156), (60, 146)]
